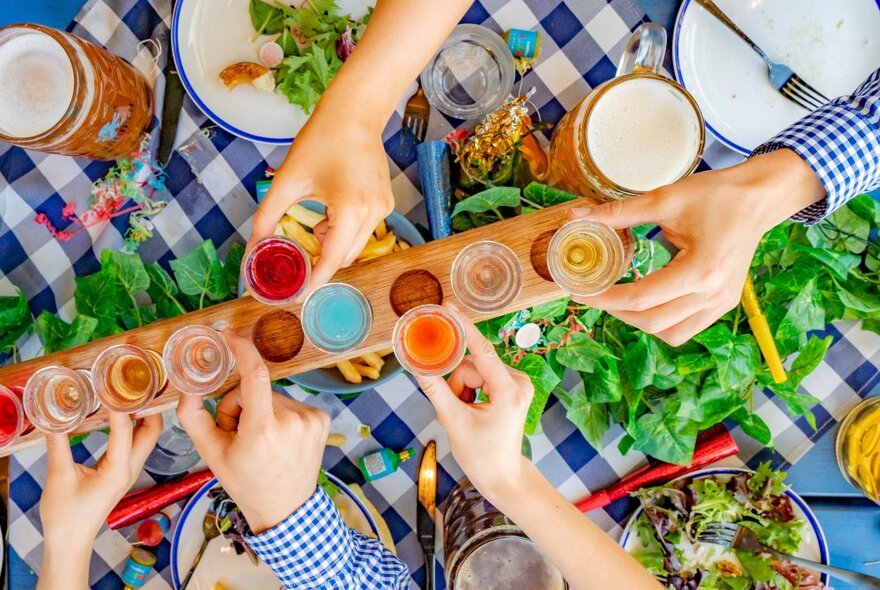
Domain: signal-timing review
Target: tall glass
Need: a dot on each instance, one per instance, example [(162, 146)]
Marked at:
[(57, 399), (486, 277), (197, 360), (64, 95), (485, 549), (13, 422), (127, 377), (634, 133)]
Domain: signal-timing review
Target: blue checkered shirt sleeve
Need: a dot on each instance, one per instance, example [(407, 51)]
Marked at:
[(841, 143), (313, 549)]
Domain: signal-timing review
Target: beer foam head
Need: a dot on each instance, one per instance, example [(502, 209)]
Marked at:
[(643, 133), (37, 84), (508, 562)]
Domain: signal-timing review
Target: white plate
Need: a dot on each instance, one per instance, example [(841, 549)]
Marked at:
[(208, 36), (813, 546), (832, 45), (236, 572)]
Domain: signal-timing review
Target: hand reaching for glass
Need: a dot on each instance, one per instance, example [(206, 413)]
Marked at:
[(265, 449), (716, 220), (486, 438), (77, 499)]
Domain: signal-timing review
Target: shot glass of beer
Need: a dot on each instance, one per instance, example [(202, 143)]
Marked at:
[(636, 132)]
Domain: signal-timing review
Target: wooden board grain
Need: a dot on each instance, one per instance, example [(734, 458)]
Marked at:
[(373, 278)]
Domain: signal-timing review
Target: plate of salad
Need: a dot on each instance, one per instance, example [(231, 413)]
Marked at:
[(661, 533), (228, 563), (258, 67)]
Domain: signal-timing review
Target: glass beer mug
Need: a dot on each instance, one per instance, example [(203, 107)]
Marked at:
[(63, 95), (485, 549), (631, 134)]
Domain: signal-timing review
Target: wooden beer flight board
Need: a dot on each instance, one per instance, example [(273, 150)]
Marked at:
[(393, 284)]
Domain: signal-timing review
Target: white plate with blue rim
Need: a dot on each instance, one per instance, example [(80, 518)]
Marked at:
[(209, 35), (833, 46), (814, 546), (221, 565)]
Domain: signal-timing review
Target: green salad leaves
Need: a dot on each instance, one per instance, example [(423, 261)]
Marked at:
[(315, 39)]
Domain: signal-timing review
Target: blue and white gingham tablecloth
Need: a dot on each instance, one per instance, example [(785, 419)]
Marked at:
[(212, 196)]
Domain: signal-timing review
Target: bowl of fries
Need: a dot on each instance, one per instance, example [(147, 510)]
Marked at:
[(354, 375)]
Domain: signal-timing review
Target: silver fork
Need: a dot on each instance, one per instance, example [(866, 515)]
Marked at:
[(743, 539), (782, 77), (416, 114)]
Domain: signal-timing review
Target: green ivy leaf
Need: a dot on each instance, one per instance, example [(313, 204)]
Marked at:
[(667, 436), (544, 379), (804, 314), (734, 355), (647, 362), (840, 263), (855, 295), (603, 383), (56, 334), (591, 419), (716, 403), (809, 358), (15, 318), (200, 274), (798, 403), (852, 237), (232, 266), (581, 353), (693, 362), (98, 296), (163, 292), (551, 309), (753, 425), (127, 269), (546, 196), (490, 199)]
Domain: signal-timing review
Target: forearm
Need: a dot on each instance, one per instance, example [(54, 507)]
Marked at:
[(585, 555), (840, 142), (398, 42), (313, 550), (65, 568)]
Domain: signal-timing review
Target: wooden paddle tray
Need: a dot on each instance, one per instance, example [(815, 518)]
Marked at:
[(393, 284)]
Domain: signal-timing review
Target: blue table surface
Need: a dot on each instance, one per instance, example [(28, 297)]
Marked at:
[(851, 525)]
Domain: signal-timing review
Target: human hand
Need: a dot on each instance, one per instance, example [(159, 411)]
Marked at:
[(76, 499), (339, 160), (716, 220), (265, 449), (485, 438)]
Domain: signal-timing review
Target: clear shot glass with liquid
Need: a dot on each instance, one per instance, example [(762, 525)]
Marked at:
[(429, 340), (276, 270), (486, 277), (586, 257), (336, 318), (197, 360), (57, 399), (13, 421), (127, 377)]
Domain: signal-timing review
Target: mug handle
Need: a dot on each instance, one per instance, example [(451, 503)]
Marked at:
[(644, 51)]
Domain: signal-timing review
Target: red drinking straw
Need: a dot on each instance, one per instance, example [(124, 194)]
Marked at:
[(140, 504), (712, 445)]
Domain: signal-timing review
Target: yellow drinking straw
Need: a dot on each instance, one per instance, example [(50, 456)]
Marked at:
[(761, 330)]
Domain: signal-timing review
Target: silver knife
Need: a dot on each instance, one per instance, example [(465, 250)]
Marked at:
[(171, 105)]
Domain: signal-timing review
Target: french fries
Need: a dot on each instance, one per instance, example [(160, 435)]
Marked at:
[(383, 241)]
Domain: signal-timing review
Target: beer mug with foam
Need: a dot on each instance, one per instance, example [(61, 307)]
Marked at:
[(631, 134)]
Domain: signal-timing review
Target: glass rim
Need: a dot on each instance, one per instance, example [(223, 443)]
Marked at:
[(362, 299), (585, 224), (29, 400), (406, 319), (247, 279), (492, 43), (75, 67), (840, 439), (179, 335), (100, 386), (504, 252), (585, 161)]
